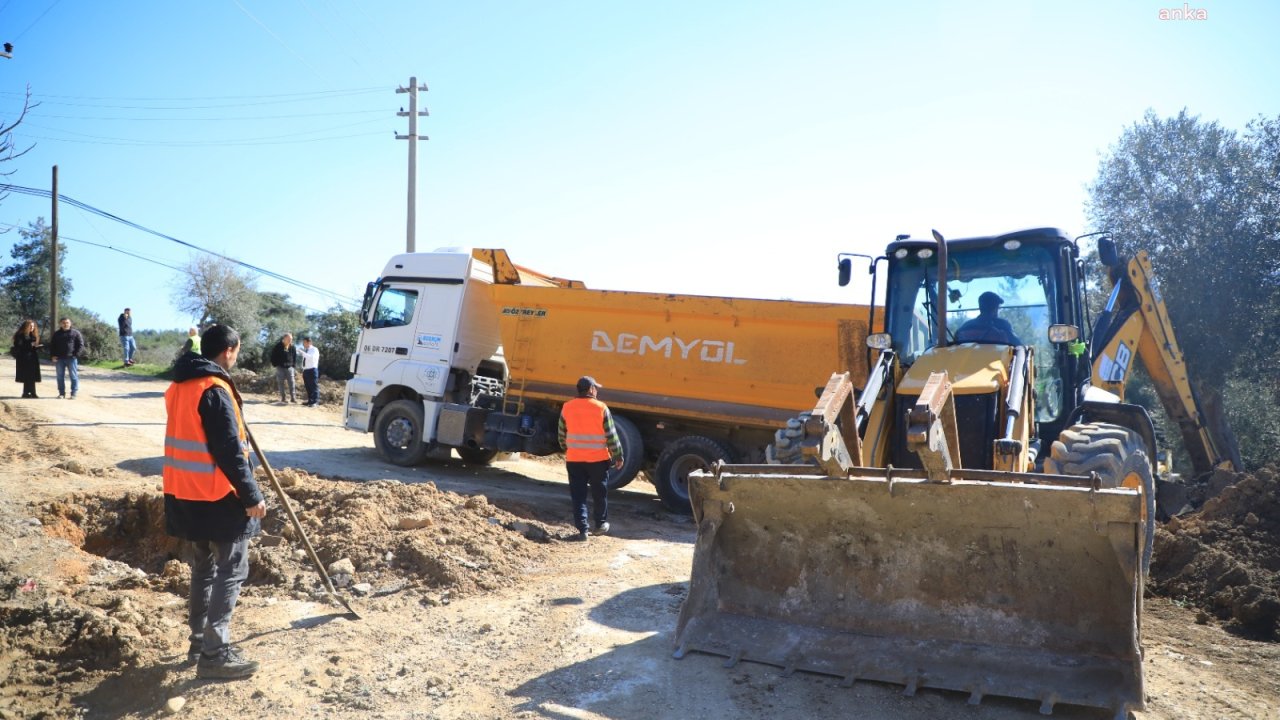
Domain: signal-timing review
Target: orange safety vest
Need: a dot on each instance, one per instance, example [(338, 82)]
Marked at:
[(584, 439), (190, 472)]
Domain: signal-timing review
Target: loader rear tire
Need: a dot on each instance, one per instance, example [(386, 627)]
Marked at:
[(398, 433), (632, 453), (1119, 457), (681, 457)]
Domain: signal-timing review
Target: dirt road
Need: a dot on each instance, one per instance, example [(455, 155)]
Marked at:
[(474, 609)]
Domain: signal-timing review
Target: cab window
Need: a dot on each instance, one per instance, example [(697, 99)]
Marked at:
[(395, 308)]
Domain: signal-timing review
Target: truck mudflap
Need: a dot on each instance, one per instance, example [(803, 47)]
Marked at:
[(980, 585)]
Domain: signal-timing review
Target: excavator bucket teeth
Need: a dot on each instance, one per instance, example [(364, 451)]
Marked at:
[(982, 587)]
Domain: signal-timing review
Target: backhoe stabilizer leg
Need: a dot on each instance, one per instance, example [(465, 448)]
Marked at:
[(931, 429)]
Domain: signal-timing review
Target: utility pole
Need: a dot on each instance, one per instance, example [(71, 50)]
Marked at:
[(412, 137), (53, 266)]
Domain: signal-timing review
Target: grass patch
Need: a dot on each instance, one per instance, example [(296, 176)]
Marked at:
[(139, 369)]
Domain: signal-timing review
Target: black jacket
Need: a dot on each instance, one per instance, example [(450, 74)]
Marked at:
[(66, 343), (125, 322), (28, 358), (221, 520), (280, 357)]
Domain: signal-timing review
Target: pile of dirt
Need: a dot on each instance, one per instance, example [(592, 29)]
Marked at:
[(103, 608), (248, 381), (1225, 557), (383, 533), (387, 532)]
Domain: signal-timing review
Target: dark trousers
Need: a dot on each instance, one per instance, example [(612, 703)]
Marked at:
[(311, 378), (217, 572), (584, 476), (28, 389)]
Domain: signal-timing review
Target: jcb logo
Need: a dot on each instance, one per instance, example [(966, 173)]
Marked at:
[(711, 351)]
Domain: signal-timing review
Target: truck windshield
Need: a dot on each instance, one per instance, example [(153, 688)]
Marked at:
[(1015, 287), (395, 307)]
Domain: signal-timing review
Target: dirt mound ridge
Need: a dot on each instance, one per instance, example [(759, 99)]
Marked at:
[(1225, 558)]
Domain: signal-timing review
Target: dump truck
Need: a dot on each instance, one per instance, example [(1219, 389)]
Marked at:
[(461, 350), (977, 516)]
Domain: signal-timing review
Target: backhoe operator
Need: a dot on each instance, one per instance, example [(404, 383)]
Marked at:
[(988, 327)]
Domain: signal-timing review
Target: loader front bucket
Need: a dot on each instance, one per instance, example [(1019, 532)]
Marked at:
[(974, 585)]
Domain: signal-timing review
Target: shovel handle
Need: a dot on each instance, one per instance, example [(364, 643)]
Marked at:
[(293, 519)]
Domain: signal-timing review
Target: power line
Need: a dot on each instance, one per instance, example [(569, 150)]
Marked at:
[(225, 118), (299, 96), (280, 100), (278, 39), (37, 20), (37, 192), (179, 143), (241, 141)]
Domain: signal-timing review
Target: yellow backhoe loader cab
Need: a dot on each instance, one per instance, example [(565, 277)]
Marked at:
[(978, 519)]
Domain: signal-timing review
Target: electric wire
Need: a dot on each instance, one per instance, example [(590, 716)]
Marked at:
[(202, 143), (35, 22), (253, 140), (37, 192), (177, 268), (279, 39)]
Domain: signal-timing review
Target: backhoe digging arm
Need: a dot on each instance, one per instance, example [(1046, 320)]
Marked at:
[(1135, 322)]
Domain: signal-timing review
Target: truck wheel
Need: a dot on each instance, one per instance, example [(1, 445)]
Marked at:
[(632, 453), (477, 456), (689, 453), (1118, 456), (398, 433)]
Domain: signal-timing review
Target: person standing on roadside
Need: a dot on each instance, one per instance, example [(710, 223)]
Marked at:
[(193, 342), (210, 496), (284, 358), (127, 346), (26, 351), (311, 371), (65, 346), (591, 445)]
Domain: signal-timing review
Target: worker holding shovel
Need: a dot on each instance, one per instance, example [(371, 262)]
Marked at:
[(210, 496)]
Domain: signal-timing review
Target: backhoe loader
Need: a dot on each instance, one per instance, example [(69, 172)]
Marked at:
[(978, 517)]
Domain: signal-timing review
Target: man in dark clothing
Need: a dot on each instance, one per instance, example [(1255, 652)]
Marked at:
[(65, 346), (127, 345), (284, 357), (988, 327), (210, 496)]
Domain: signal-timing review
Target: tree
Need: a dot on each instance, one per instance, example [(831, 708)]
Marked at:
[(1204, 201), (26, 282), (276, 316), (1188, 192), (211, 289), (9, 151), (336, 333)]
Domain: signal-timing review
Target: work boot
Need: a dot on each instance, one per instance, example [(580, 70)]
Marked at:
[(194, 650), (580, 537), (228, 664), (602, 528)]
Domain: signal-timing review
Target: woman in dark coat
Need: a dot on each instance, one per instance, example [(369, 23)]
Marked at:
[(25, 344)]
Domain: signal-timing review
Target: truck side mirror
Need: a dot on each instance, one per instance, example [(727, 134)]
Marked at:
[(846, 271), (1107, 252)]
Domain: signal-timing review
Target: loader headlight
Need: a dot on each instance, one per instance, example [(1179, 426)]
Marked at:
[(924, 254), (1063, 333), (1012, 244), (879, 341)]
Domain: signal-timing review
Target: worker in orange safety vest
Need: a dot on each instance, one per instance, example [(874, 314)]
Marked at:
[(591, 446), (210, 496)]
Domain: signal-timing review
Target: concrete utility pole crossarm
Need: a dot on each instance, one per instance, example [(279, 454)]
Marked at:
[(413, 138)]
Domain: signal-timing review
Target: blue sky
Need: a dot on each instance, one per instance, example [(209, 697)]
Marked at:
[(721, 148)]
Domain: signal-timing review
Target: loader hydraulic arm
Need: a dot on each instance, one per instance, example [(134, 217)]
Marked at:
[(1135, 322)]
